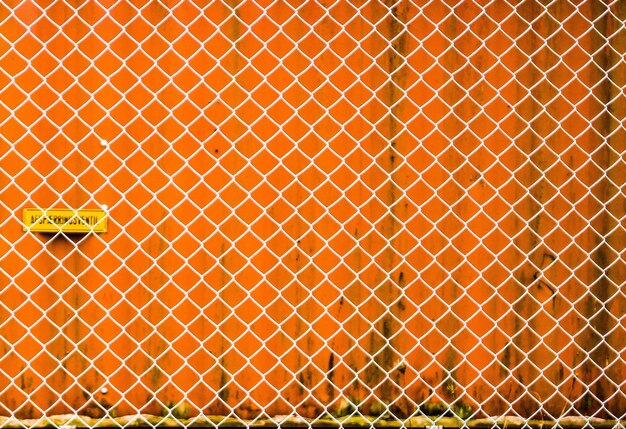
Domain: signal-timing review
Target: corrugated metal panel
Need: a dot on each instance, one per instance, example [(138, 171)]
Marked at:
[(403, 203)]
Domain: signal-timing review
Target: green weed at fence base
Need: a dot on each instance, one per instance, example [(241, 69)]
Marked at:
[(148, 421)]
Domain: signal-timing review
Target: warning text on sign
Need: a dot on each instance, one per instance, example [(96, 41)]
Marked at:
[(65, 220)]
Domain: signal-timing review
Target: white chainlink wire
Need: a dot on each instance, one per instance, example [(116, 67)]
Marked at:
[(317, 210)]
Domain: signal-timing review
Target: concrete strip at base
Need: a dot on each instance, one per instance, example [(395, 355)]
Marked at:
[(71, 421), (515, 422)]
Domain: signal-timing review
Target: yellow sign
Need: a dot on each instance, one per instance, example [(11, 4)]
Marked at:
[(65, 220)]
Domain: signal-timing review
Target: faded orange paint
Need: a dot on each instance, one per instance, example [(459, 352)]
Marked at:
[(321, 199)]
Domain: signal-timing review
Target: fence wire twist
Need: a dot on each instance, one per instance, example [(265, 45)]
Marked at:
[(323, 210)]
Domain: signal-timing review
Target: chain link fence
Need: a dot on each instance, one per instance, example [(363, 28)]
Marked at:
[(350, 212)]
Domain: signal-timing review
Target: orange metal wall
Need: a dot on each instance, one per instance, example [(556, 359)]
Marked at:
[(297, 200)]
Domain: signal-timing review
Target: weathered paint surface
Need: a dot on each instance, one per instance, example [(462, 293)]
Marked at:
[(314, 205)]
